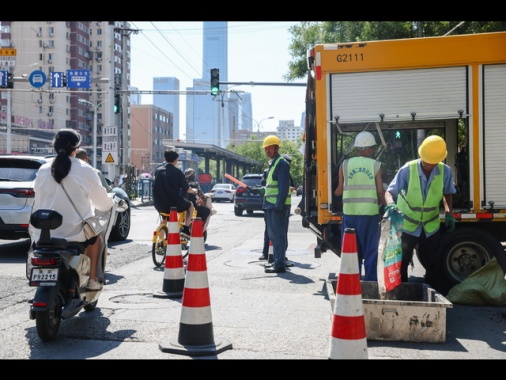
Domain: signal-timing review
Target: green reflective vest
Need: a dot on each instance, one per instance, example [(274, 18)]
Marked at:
[(415, 209), (271, 187), (359, 188)]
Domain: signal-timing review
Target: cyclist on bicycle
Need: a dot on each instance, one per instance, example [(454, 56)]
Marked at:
[(170, 189), (202, 204)]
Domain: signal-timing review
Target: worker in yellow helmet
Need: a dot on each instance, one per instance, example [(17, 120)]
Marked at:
[(277, 203), (417, 190)]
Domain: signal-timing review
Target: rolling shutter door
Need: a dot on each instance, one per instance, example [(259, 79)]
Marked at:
[(431, 93), (494, 126)]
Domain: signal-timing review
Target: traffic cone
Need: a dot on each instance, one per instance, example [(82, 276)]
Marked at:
[(173, 275), (196, 337), (348, 334)]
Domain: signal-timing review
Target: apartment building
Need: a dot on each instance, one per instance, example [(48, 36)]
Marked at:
[(103, 48)]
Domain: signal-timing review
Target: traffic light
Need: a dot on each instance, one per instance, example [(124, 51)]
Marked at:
[(10, 80), (215, 81), (117, 103), (397, 142)]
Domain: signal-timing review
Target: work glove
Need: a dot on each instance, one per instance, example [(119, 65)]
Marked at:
[(449, 223), (390, 209)]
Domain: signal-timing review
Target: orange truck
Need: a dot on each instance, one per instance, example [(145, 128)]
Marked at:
[(402, 91)]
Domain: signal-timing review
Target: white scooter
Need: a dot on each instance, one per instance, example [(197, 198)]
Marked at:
[(60, 270)]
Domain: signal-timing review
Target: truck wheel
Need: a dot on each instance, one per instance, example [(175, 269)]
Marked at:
[(464, 251)]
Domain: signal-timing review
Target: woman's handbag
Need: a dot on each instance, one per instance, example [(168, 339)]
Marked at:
[(91, 225)]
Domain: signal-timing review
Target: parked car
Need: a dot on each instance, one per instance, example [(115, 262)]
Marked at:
[(223, 192), (17, 174), (299, 190), (245, 200)]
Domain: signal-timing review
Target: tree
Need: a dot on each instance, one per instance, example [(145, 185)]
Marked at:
[(307, 34)]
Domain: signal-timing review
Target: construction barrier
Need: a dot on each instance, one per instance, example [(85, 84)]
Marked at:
[(173, 275), (196, 337), (348, 334)]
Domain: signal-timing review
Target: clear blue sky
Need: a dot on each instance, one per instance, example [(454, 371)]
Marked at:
[(257, 51)]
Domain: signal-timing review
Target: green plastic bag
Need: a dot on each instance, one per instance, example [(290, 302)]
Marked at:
[(484, 287)]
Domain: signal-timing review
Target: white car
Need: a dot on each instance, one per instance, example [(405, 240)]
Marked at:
[(223, 192), (17, 175)]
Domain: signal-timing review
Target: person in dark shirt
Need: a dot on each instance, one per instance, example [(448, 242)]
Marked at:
[(170, 189)]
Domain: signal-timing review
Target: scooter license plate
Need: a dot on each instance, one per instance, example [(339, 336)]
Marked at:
[(43, 276)]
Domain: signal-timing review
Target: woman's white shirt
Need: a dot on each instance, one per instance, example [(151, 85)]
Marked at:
[(84, 187)]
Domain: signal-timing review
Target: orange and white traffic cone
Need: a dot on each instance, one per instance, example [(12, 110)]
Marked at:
[(196, 337), (348, 334), (173, 275)]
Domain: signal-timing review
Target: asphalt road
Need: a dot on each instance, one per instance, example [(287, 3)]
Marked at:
[(254, 315)]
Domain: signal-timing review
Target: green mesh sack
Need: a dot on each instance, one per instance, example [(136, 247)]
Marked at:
[(484, 287)]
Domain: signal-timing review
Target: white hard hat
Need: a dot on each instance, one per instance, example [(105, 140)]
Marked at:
[(364, 140)]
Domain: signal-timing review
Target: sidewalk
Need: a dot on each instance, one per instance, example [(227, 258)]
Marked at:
[(140, 202)]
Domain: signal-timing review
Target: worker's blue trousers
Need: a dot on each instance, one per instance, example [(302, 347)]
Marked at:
[(367, 232)]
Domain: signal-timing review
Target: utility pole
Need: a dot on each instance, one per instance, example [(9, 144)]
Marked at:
[(124, 120)]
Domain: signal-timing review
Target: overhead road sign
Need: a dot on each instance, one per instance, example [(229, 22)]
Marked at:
[(7, 57), (7, 52), (56, 79), (3, 78), (37, 78), (78, 78)]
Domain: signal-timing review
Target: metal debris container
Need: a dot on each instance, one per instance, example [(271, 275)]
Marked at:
[(412, 312)]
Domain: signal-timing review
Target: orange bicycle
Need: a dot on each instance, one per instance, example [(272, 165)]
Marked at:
[(160, 236)]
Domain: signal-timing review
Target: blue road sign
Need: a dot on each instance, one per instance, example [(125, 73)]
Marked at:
[(37, 78), (78, 78), (3, 78), (56, 79)]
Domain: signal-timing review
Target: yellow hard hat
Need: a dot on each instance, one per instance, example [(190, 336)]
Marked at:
[(433, 150), (271, 140)]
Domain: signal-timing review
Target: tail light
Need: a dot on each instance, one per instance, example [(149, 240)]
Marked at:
[(46, 261), (20, 192), (240, 190)]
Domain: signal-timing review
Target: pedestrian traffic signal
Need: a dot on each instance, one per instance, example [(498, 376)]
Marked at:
[(215, 81), (117, 103), (397, 134)]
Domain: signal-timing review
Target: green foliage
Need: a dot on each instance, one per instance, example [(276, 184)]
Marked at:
[(307, 34)]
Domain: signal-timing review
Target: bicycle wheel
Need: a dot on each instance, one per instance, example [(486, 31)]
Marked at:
[(159, 249)]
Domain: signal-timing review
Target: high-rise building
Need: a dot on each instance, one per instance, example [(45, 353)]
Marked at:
[(135, 98), (102, 47), (214, 120), (205, 118), (169, 102)]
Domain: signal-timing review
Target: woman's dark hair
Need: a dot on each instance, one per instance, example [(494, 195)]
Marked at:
[(65, 142)]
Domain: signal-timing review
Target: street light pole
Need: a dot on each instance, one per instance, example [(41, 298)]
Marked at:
[(260, 123), (9, 122), (95, 108)]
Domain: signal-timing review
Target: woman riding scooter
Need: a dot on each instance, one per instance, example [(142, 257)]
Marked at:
[(69, 177)]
